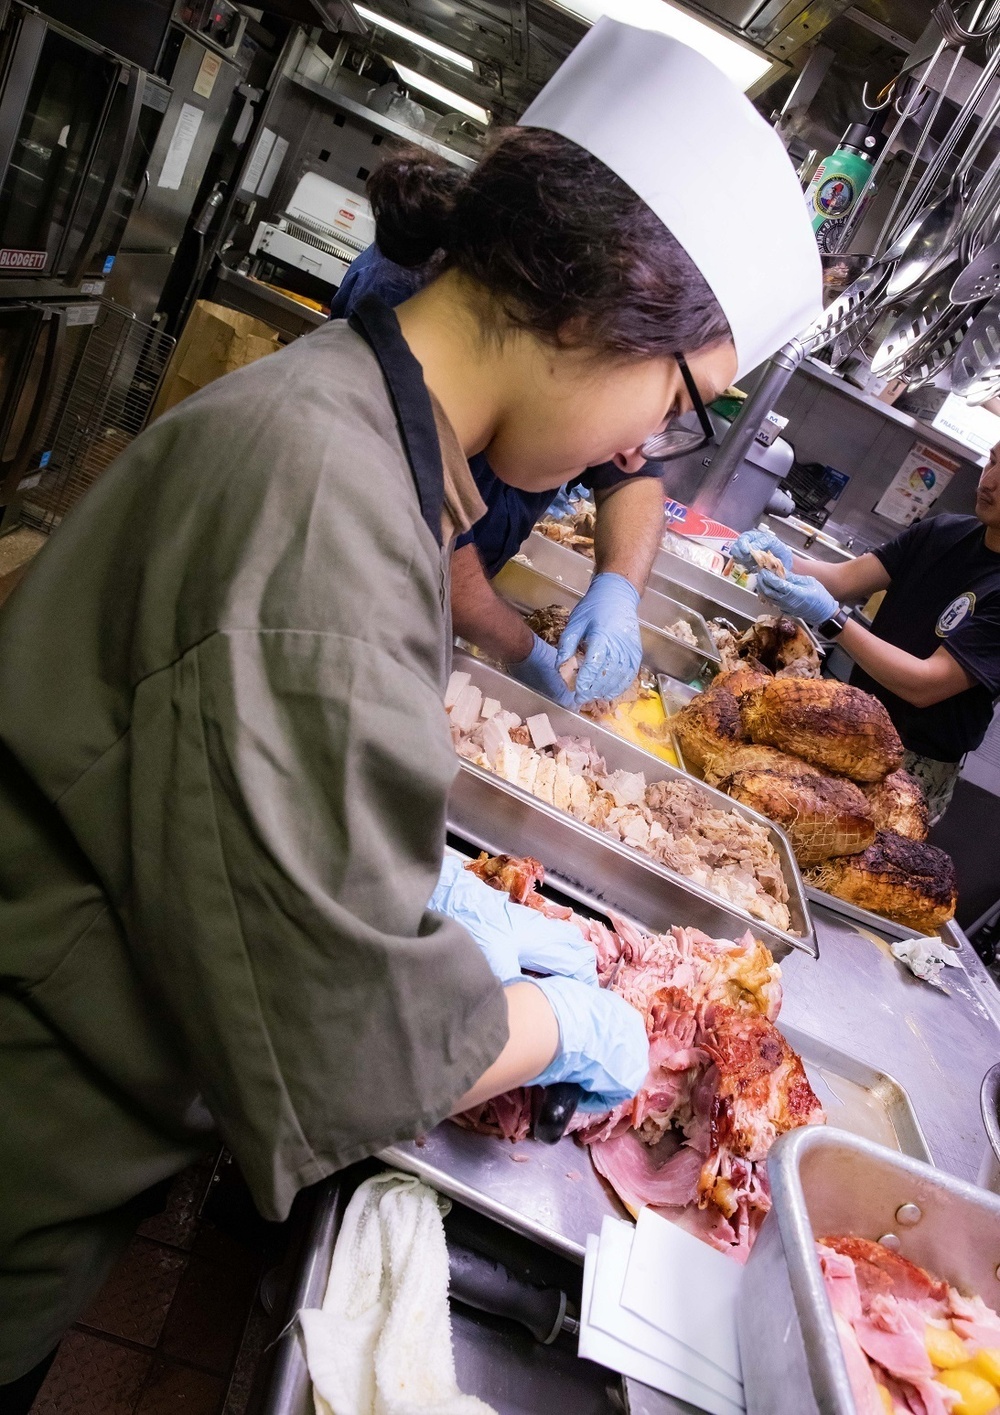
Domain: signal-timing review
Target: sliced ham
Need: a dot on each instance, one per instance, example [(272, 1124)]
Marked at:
[(642, 1174), (864, 1387)]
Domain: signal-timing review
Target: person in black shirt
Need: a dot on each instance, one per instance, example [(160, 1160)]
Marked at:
[(932, 654)]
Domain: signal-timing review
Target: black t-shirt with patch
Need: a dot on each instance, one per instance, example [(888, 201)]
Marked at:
[(945, 591)]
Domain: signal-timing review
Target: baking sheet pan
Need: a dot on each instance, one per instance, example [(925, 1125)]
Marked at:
[(528, 588), (501, 818)]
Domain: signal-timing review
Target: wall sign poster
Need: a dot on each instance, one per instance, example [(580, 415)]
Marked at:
[(917, 485)]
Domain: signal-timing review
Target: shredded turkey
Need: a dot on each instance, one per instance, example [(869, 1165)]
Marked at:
[(722, 1082), (673, 822)]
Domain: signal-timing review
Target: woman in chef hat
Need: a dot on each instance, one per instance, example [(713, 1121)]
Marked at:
[(223, 783)]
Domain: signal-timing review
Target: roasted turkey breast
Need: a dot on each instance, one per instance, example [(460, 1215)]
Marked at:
[(821, 815), (907, 880), (750, 756), (899, 804), (709, 726), (779, 644), (830, 724)]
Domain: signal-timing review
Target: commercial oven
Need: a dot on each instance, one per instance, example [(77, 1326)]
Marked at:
[(77, 124)]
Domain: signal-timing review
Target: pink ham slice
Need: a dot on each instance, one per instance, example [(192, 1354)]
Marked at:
[(864, 1387), (659, 1175)]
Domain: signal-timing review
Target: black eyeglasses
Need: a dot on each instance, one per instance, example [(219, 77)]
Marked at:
[(676, 441)]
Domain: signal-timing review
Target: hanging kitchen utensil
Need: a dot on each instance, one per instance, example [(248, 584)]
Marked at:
[(917, 323), (981, 277), (928, 363), (847, 308), (976, 365), (926, 239)]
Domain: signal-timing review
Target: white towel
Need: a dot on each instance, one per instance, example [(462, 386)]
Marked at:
[(381, 1344)]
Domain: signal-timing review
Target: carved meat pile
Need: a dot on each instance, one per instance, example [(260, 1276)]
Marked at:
[(723, 1083), (673, 822), (781, 645), (910, 1341), (822, 760)]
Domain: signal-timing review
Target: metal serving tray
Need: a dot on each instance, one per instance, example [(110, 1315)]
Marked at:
[(870, 920), (826, 1182), (656, 607), (718, 588), (496, 816), (529, 588)]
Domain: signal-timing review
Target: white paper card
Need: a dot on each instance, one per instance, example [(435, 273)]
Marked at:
[(603, 1273), (681, 1286), (274, 161), (258, 160), (176, 161)]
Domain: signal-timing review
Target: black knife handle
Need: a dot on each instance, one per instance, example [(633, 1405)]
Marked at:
[(559, 1103), (490, 1287)]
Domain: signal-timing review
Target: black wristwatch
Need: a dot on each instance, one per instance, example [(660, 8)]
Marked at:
[(831, 627)]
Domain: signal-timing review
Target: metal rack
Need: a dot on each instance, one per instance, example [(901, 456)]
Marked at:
[(102, 403)]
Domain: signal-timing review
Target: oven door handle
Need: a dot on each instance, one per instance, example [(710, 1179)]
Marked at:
[(17, 465), (136, 83)]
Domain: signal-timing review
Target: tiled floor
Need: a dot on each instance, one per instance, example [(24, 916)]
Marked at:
[(177, 1328)]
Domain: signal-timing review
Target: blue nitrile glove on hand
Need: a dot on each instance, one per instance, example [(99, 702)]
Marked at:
[(759, 540), (603, 1045), (512, 936), (539, 671), (607, 623), (798, 595)]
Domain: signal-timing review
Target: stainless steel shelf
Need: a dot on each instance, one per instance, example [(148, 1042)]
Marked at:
[(381, 123), (812, 368)]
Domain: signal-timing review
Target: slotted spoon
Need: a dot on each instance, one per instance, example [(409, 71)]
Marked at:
[(917, 324), (977, 362)]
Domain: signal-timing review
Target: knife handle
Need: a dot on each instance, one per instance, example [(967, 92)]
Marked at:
[(559, 1103)]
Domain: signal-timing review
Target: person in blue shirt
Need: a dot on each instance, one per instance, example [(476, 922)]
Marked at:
[(629, 498)]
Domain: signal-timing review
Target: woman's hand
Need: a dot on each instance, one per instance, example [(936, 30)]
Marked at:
[(801, 596)]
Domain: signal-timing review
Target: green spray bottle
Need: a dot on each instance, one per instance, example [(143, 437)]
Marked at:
[(842, 184)]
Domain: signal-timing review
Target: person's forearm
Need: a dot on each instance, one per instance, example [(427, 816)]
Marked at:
[(850, 581), (479, 615), (531, 1046), (629, 529), (921, 682)]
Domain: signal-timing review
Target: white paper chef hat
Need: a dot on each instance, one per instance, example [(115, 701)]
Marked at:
[(698, 153)]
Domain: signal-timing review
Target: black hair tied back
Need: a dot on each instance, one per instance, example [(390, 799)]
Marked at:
[(413, 198), (562, 246)]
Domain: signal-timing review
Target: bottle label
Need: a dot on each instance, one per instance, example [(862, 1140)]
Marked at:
[(835, 195)]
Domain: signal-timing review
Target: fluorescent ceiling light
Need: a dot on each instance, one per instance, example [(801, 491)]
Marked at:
[(432, 47), (453, 101), (738, 61)]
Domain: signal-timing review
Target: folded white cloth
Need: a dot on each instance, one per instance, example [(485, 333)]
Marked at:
[(381, 1344)]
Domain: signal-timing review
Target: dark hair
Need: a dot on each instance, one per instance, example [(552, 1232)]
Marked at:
[(558, 240)]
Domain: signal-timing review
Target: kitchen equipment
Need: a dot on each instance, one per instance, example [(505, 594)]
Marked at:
[(930, 360), (476, 1281), (917, 324), (981, 277), (976, 368), (857, 301), (928, 236), (842, 183), (826, 1182), (76, 123), (322, 229), (671, 568), (489, 812)]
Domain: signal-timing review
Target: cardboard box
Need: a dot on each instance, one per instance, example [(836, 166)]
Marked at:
[(216, 340)]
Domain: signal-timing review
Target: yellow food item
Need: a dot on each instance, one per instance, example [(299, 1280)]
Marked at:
[(886, 1399), (976, 1396), (644, 723), (987, 1364), (945, 1347)]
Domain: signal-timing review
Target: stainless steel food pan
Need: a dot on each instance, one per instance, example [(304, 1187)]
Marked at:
[(489, 812), (826, 1182), (677, 570), (529, 588), (867, 919), (657, 607)]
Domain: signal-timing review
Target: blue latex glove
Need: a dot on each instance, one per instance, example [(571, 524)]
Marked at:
[(798, 595), (603, 1045), (539, 671), (561, 504), (759, 540), (605, 621), (512, 936)]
